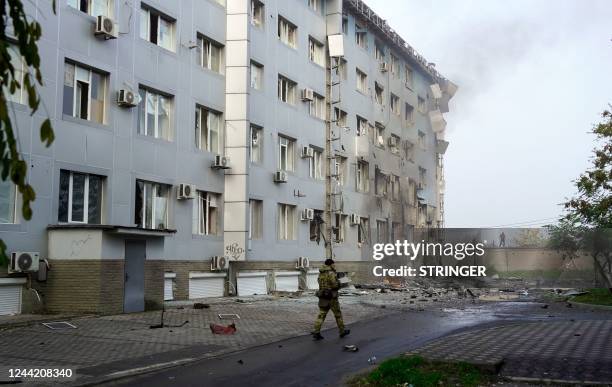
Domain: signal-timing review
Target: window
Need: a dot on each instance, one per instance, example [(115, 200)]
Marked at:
[(92, 7), (394, 145), (316, 165), (315, 226), (362, 81), (151, 205), (155, 114), (378, 93), (317, 107), (257, 13), (380, 183), (382, 231), (256, 144), (421, 105), (340, 169), (342, 69), (339, 227), (256, 219), (379, 53), (396, 231), (340, 118), (316, 5), (395, 104), (409, 77), (287, 32), (408, 114), (362, 126), (394, 66), (256, 75), (206, 207), (210, 54), (20, 95), (395, 187), (361, 36), (409, 151), (422, 140), (208, 130), (286, 222), (316, 52), (84, 93), (380, 135), (156, 28), (80, 198), (345, 25), (286, 90), (362, 178), (363, 231), (285, 153), (8, 202)]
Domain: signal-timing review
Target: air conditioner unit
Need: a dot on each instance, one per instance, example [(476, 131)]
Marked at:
[(280, 177), (392, 141), (307, 152), (221, 162), (126, 98), (218, 263), (307, 214), (105, 28), (354, 219), (384, 67), (23, 262), (307, 94), (302, 263), (186, 191)]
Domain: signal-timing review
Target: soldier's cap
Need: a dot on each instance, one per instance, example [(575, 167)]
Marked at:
[(329, 262)]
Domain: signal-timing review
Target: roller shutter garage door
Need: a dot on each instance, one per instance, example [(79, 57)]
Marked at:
[(312, 279), (287, 281), (10, 295), (252, 283), (169, 286), (202, 285)]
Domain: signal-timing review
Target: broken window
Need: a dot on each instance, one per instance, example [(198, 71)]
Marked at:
[(257, 13), (382, 232), (207, 217), (92, 7), (340, 169), (339, 227), (286, 222), (316, 52), (210, 54), (84, 93), (421, 105), (396, 231), (316, 165), (286, 90), (395, 104), (380, 183), (156, 28), (394, 66), (362, 126), (80, 198), (422, 140), (378, 93), (151, 205), (363, 231), (361, 36), (380, 134), (256, 75), (362, 81), (317, 107), (362, 178), (408, 114), (315, 226), (340, 117), (256, 219), (409, 77), (155, 114), (208, 130), (256, 150), (287, 32)]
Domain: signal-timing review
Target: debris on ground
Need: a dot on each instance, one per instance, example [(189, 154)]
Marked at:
[(351, 348), (228, 316), (199, 305), (574, 292), (222, 329), (372, 360), (56, 325)]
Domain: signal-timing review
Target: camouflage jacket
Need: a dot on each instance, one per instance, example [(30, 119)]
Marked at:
[(328, 282)]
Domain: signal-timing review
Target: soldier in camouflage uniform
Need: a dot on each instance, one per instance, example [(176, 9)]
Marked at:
[(328, 299)]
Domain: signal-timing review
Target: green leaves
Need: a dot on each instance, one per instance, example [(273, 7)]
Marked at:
[(25, 39)]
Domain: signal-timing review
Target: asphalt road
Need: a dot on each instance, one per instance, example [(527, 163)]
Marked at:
[(302, 362)]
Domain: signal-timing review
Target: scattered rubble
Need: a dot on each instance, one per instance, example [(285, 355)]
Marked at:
[(222, 329), (350, 348), (199, 305)]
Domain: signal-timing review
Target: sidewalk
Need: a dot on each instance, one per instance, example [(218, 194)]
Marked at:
[(555, 351)]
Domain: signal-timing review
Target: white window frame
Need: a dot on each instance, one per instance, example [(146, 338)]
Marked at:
[(287, 32), (317, 107), (394, 102), (20, 95), (13, 204), (286, 90), (361, 37), (200, 110), (362, 126), (316, 51), (258, 14), (172, 24), (289, 146), (156, 131), (362, 177), (340, 117), (409, 73), (363, 232), (76, 4), (362, 81), (204, 218), (206, 46), (379, 92), (154, 187), (340, 169), (339, 221), (256, 151), (256, 75), (315, 165), (286, 222), (255, 219)]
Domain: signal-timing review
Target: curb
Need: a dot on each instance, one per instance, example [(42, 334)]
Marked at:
[(557, 381), (27, 323), (590, 306)]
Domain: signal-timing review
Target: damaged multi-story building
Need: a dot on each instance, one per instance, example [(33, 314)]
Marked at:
[(209, 148)]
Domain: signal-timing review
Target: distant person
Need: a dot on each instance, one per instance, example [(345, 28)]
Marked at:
[(328, 299), (502, 240)]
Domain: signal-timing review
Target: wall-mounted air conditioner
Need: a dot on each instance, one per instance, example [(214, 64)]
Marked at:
[(186, 191), (105, 28), (354, 219), (302, 263), (24, 262), (307, 94), (126, 98), (218, 263), (280, 177), (307, 152), (221, 162), (307, 214)]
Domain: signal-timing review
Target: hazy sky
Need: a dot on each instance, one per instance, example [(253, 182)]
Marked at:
[(533, 77)]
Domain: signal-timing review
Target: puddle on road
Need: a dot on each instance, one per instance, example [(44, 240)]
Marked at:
[(495, 311)]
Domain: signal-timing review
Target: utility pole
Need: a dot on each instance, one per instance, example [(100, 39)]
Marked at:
[(329, 158)]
